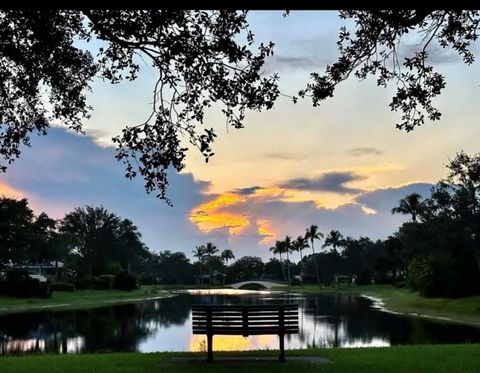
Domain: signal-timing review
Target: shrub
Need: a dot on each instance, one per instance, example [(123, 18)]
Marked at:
[(103, 282), (125, 281), (443, 276), (149, 280), (364, 278), (420, 277), (19, 284), (83, 281), (62, 286), (112, 268)]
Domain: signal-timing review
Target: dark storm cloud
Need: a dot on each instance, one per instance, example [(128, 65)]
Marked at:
[(328, 182)]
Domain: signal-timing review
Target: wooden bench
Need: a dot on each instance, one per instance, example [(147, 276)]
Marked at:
[(244, 320)]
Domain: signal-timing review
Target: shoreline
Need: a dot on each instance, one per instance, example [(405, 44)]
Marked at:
[(74, 301), (402, 301), (379, 304)]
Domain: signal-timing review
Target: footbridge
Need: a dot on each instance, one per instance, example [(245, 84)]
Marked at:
[(267, 284)]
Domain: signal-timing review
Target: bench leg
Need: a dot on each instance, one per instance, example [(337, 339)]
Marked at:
[(282, 348), (209, 348)]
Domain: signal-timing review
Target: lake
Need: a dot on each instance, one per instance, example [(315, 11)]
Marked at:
[(325, 320)]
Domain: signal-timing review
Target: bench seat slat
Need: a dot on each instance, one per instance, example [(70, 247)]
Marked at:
[(238, 314), (240, 308), (250, 317), (250, 321), (249, 331)]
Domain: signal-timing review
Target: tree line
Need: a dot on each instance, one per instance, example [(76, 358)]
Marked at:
[(436, 253)]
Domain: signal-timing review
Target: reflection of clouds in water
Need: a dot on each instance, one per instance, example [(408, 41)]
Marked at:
[(374, 342), (166, 325), (315, 331), (234, 342)]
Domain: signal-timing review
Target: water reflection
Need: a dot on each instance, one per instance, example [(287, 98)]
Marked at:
[(165, 325)]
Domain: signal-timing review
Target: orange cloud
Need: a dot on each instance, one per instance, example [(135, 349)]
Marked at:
[(8, 191), (232, 342), (208, 217), (266, 230), (215, 214)]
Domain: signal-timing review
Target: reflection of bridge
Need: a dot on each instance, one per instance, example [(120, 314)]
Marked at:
[(267, 284)]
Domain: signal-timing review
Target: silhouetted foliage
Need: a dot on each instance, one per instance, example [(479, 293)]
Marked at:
[(125, 281), (373, 47), (199, 60), (246, 268), (274, 270), (16, 219), (101, 237), (171, 268), (18, 283), (411, 205)]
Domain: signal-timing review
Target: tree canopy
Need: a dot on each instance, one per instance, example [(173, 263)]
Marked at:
[(373, 48), (44, 76), (201, 62)]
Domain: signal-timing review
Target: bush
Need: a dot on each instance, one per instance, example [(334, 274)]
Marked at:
[(364, 278), (19, 284), (62, 286), (125, 281), (103, 282), (148, 280), (443, 276), (420, 277), (83, 281), (112, 268)]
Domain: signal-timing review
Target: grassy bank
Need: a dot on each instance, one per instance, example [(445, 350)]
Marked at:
[(80, 299), (432, 358), (464, 310)]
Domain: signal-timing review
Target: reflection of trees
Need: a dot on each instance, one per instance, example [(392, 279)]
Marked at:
[(325, 320), (349, 319), (113, 328)]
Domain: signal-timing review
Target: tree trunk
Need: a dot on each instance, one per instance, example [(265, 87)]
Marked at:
[(301, 267), (316, 264), (283, 269), (288, 270)]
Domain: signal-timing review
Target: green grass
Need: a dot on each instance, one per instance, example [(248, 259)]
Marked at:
[(464, 310), (79, 299), (428, 358)]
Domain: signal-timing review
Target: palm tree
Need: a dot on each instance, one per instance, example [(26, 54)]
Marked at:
[(227, 255), (334, 239), (199, 253), (298, 245), (312, 233), (210, 250), (411, 204), (278, 249)]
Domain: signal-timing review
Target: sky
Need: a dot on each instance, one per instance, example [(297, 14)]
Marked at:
[(342, 165)]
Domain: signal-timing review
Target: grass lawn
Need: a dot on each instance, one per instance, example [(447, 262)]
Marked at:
[(79, 299), (427, 358), (465, 310)]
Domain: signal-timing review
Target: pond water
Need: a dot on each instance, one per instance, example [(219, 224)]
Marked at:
[(326, 320)]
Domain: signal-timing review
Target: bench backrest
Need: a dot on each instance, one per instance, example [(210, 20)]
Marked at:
[(245, 319)]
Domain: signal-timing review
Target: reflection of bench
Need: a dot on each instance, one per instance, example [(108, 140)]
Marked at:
[(244, 320)]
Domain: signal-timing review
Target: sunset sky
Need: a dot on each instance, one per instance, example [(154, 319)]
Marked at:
[(342, 165)]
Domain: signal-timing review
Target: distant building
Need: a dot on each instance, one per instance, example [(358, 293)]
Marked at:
[(42, 270)]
